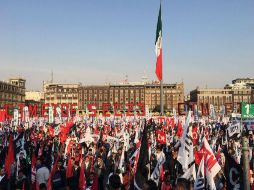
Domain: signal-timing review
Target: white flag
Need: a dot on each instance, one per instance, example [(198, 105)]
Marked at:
[(212, 165), (234, 129), (199, 183), (15, 117), (51, 114), (185, 153), (157, 170), (25, 114), (190, 173)]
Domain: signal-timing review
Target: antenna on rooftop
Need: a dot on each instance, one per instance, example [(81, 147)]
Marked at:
[(52, 76)]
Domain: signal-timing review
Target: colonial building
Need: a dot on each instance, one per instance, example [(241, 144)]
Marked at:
[(12, 92), (56, 93), (206, 97), (34, 95), (147, 94), (241, 90), (35, 98), (172, 95), (93, 95)]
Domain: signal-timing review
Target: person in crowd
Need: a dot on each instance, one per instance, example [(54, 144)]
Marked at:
[(73, 181), (88, 166), (42, 186), (166, 184), (100, 151), (22, 181), (42, 173), (150, 185), (114, 183), (59, 177), (3, 179), (99, 169)]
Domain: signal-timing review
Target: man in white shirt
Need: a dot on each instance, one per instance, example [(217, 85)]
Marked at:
[(42, 173)]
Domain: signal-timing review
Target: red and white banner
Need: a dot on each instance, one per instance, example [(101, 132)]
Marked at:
[(2, 115), (161, 137)]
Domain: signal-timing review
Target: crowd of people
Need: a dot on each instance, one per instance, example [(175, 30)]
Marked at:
[(124, 153)]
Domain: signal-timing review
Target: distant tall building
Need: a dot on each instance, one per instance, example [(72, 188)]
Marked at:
[(12, 92)]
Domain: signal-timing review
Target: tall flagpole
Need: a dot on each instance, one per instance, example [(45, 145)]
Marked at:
[(161, 98), (161, 83)]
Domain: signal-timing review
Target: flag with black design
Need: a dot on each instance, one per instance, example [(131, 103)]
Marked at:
[(233, 173), (142, 171), (186, 154), (234, 129), (157, 170), (199, 183), (18, 142), (190, 173)]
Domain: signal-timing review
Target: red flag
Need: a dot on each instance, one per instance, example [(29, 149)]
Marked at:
[(65, 130), (9, 158), (179, 130), (161, 137), (198, 157), (162, 173), (69, 171), (158, 47), (82, 177), (69, 146), (2, 115), (195, 135), (52, 173), (170, 122), (40, 150), (50, 131)]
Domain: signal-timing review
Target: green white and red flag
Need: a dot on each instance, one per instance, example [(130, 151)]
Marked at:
[(158, 47)]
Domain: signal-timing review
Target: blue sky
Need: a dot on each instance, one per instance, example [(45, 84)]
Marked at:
[(205, 42)]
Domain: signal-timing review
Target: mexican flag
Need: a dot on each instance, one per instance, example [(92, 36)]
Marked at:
[(158, 47)]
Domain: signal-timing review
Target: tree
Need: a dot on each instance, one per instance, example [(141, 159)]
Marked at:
[(158, 108)]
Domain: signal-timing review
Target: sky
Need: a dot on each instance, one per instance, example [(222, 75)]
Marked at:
[(206, 43)]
